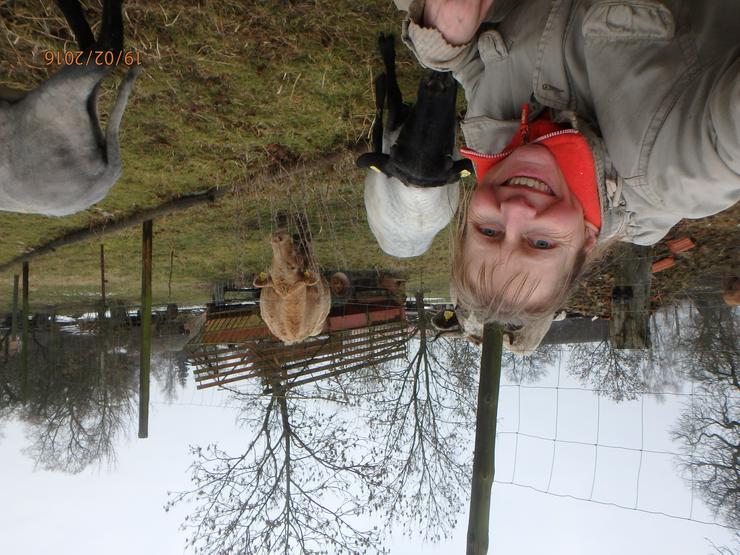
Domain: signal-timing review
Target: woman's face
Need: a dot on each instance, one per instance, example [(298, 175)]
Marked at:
[(524, 216)]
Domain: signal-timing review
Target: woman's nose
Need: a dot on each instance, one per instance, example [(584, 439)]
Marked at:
[(518, 207)]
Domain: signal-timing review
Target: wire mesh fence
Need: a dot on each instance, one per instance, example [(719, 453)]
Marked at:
[(564, 440)]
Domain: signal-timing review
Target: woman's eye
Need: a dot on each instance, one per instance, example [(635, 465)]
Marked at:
[(488, 231), (541, 244)]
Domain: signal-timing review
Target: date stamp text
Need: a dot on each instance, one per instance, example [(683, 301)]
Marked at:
[(92, 57)]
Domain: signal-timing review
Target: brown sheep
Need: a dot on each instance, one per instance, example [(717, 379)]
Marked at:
[(295, 299)]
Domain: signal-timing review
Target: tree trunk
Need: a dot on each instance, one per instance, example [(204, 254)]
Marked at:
[(485, 440)]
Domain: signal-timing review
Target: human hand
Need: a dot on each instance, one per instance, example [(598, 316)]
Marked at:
[(457, 20)]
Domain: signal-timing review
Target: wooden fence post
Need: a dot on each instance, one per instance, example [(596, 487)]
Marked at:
[(14, 316), (485, 441), (628, 326), (146, 325), (24, 335), (102, 274), (13, 335), (169, 281)]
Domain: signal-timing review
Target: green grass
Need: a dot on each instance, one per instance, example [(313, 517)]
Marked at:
[(227, 240), (229, 92)]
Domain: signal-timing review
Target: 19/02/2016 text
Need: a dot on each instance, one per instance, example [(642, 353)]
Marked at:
[(93, 57)]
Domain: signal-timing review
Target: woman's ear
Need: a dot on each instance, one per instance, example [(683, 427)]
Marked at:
[(592, 235)]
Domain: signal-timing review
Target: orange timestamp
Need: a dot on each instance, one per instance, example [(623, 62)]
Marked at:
[(91, 57)]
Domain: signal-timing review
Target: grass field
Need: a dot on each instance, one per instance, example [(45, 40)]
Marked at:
[(230, 94), (241, 95)]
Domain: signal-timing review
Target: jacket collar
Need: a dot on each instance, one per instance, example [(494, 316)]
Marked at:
[(615, 219)]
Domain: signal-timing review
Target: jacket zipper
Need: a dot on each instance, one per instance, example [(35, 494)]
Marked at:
[(555, 134), (491, 156), (510, 150)]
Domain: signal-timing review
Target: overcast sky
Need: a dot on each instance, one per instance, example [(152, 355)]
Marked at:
[(120, 511)]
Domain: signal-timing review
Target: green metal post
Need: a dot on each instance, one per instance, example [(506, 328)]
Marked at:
[(102, 276), (24, 335), (485, 441), (146, 328), (14, 316)]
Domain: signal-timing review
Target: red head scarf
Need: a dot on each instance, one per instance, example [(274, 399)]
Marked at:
[(571, 151)]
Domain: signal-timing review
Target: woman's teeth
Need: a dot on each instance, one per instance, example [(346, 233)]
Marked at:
[(532, 183)]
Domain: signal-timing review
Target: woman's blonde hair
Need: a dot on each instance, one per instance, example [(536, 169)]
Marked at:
[(476, 295)]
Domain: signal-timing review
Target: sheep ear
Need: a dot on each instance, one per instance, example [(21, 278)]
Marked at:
[(446, 320), (373, 160), (462, 168), (310, 278), (262, 280), (377, 130)]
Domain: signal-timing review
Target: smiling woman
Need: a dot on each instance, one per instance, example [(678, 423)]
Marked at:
[(525, 235), (637, 106)]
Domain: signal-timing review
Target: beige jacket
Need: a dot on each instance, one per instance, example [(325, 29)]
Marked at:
[(654, 84)]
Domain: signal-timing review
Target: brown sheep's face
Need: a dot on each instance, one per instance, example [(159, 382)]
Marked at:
[(289, 267), (287, 261)]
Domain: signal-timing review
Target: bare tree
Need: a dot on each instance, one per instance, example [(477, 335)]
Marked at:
[(79, 398), (167, 369), (461, 356), (615, 373), (8, 395), (709, 428), (724, 549), (74, 434), (297, 488), (661, 369), (711, 346), (84, 402), (709, 433), (423, 416), (532, 368)]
